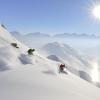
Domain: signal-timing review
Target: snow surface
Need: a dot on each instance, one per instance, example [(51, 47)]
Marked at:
[(68, 55), (34, 83), (36, 77)]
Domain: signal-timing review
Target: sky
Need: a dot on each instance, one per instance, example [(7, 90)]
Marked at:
[(49, 16)]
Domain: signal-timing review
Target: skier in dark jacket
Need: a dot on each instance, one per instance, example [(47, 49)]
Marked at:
[(61, 68)]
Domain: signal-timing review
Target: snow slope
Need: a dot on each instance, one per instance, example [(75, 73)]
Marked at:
[(67, 55), (11, 57), (32, 83), (85, 67), (5, 37), (36, 77)]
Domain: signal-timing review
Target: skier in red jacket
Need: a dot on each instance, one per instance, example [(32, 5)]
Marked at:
[(61, 68)]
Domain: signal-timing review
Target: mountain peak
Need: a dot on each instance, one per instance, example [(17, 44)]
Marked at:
[(37, 34)]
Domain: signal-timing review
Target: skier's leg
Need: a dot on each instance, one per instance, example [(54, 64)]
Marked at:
[(59, 71)]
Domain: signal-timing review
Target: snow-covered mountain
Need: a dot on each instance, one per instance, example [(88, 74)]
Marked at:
[(32, 35), (74, 61), (37, 34), (15, 33), (66, 53), (9, 55), (12, 57), (75, 35), (36, 77)]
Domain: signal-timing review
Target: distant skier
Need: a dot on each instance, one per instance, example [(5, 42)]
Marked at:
[(61, 68)]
